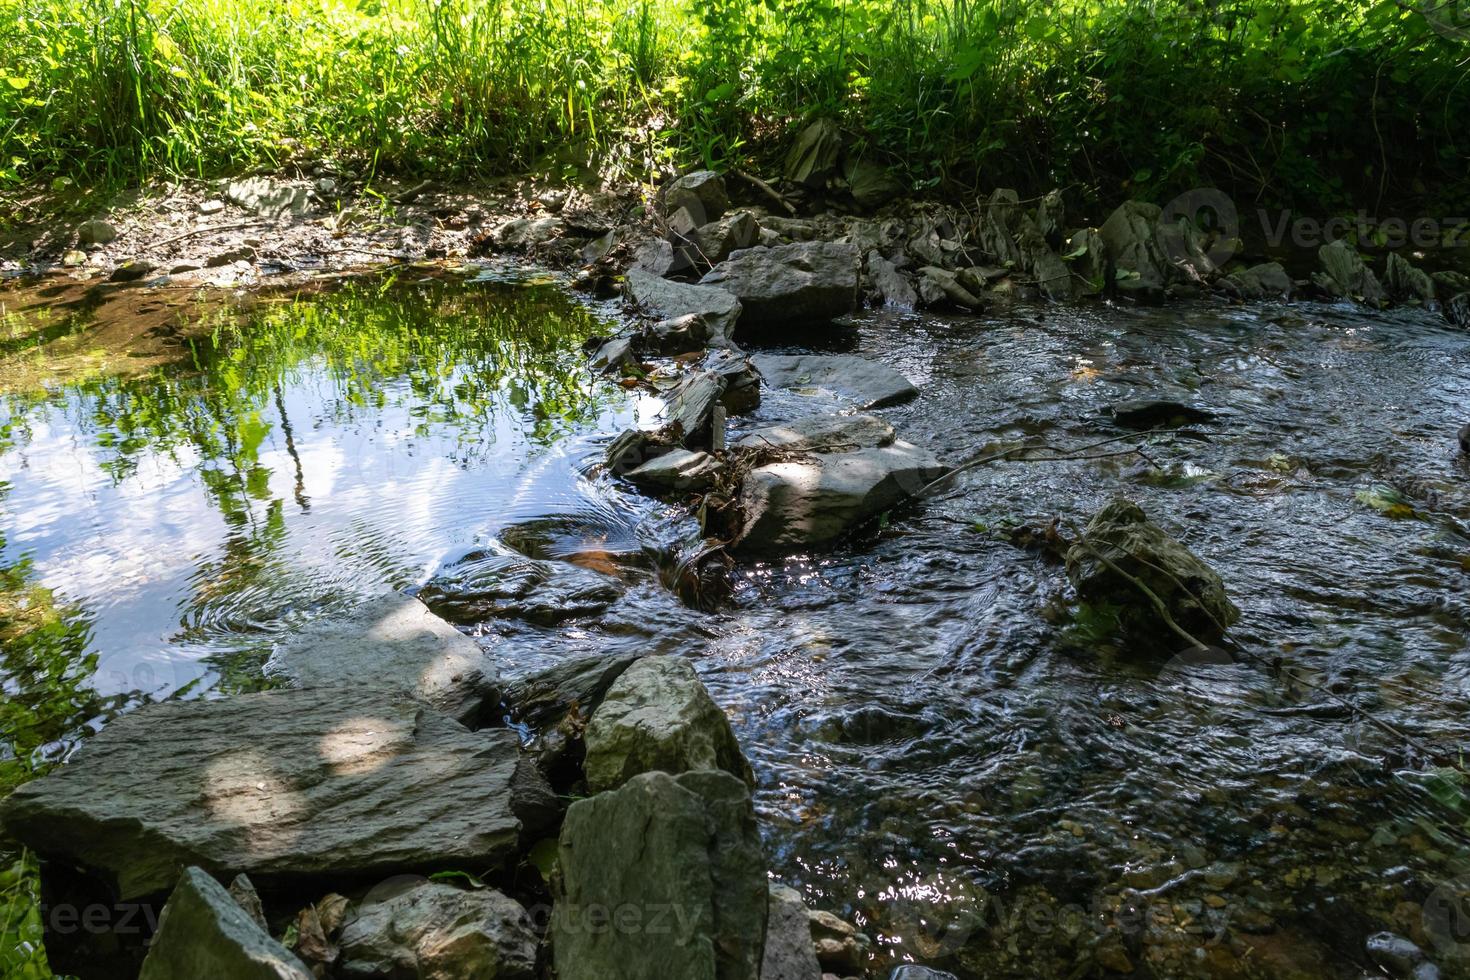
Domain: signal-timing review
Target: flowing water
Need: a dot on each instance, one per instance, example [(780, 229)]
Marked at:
[(943, 752)]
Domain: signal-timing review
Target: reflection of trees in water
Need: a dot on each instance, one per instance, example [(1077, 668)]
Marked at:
[(454, 359)]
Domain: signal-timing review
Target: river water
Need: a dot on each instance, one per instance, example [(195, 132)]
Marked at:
[(944, 753)]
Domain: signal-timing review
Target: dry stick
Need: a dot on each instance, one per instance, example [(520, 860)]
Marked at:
[(769, 191), (204, 231)]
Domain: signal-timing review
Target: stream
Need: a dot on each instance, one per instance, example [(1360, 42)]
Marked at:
[(943, 753)]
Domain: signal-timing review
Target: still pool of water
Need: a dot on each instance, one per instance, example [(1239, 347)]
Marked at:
[(942, 752)]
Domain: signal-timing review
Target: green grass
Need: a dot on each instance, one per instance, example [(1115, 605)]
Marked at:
[(1313, 100)]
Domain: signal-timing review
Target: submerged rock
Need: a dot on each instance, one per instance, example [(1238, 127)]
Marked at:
[(682, 857), (812, 501), (1157, 413), (1345, 275), (485, 585), (202, 932), (657, 716), (789, 953), (839, 946), (666, 298), (283, 785), (801, 283), (1121, 535), (909, 971), (434, 931), (390, 642), (866, 384)]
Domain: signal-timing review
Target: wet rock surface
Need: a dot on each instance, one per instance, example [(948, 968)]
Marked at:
[(718, 308), (789, 952), (804, 283), (486, 585), (866, 384), (391, 642), (202, 932), (329, 782)]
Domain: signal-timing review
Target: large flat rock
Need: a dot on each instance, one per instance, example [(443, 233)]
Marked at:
[(667, 298), (391, 642), (801, 283), (809, 502), (283, 785), (866, 384)]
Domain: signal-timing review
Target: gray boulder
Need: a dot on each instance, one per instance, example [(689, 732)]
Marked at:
[(96, 232), (657, 716), (665, 298), (615, 357), (789, 953), (809, 502), (283, 785), (812, 159), (202, 932), (866, 384), (889, 283), (433, 931), (1088, 256), (805, 282), (553, 705), (1457, 311), (677, 335), (523, 233), (871, 185), (998, 225), (1265, 281), (485, 585), (389, 642), (664, 877), (1051, 217), (655, 257), (1130, 236), (742, 380), (269, 197), (822, 434), (680, 471), (948, 285), (1345, 275), (1405, 283), (701, 193), (717, 239), (1122, 538)]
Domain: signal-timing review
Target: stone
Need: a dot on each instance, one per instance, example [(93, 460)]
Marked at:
[(678, 335), (866, 384), (810, 502), (657, 716), (240, 253), (909, 971), (1394, 954), (791, 229), (690, 409), (1405, 283), (269, 197), (1345, 275), (889, 283), (1457, 311), (1157, 413), (702, 193), (283, 785), (717, 239), (742, 380), (212, 206), (96, 232), (390, 642), (1130, 236), (243, 892), (615, 357), (812, 159), (680, 471), (665, 298), (1051, 218), (655, 257), (978, 278), (434, 931), (1088, 255), (681, 858), (839, 946), (1465, 439), (822, 433), (950, 286), (805, 282), (486, 585), (1052, 276), (72, 258), (789, 954), (1265, 281), (524, 233), (554, 705), (1191, 591), (133, 271), (202, 932), (997, 227), (871, 185)]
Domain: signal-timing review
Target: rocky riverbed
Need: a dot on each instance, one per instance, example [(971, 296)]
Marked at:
[(880, 587)]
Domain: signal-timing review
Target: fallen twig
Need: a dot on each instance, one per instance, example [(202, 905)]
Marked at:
[(204, 231), (767, 189)]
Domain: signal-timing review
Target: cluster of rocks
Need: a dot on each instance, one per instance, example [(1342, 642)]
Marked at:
[(367, 826)]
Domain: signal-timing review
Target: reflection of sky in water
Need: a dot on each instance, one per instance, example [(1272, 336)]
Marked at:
[(387, 496)]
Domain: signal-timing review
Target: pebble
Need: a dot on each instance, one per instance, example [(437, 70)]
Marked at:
[(1394, 953), (132, 271), (212, 206), (95, 233), (74, 258)]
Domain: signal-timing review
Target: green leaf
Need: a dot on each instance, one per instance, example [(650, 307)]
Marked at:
[(18, 83)]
